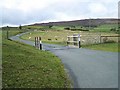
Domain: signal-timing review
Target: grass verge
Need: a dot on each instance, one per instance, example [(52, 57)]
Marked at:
[(112, 47), (26, 67)]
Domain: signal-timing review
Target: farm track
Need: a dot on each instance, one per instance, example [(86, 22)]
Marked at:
[(87, 68)]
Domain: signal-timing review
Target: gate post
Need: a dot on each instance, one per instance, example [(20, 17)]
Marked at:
[(40, 43), (68, 39), (35, 41), (79, 41)]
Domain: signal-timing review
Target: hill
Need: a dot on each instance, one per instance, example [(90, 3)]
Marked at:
[(83, 22)]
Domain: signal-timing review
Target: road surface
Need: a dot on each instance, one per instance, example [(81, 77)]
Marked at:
[(87, 68)]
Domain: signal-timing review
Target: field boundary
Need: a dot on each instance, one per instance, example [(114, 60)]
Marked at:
[(77, 40)]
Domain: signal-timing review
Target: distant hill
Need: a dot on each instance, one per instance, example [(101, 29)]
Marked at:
[(83, 22)]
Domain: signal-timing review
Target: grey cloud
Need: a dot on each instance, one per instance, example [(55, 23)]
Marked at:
[(119, 9), (76, 9), (17, 17), (12, 16), (73, 9)]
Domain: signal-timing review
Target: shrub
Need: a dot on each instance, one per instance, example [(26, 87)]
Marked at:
[(67, 28), (49, 39), (50, 26), (113, 29)]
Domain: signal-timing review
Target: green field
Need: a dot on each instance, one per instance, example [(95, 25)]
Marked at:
[(60, 37), (34, 27), (27, 67), (100, 28), (106, 28), (50, 36)]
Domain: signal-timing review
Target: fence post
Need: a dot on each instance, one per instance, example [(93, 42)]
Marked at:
[(35, 41), (7, 34), (100, 39), (79, 41), (74, 39), (67, 41)]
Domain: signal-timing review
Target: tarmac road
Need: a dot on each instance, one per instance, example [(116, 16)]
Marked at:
[(87, 68)]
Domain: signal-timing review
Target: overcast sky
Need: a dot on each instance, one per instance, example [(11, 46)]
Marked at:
[(16, 12)]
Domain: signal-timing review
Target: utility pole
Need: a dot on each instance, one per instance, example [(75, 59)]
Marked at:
[(89, 23)]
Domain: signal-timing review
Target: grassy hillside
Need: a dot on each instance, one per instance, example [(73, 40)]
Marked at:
[(26, 67), (83, 22), (96, 25)]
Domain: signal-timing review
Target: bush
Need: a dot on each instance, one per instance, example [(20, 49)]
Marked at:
[(20, 27), (50, 26), (29, 28), (113, 29), (79, 30), (67, 28), (49, 39)]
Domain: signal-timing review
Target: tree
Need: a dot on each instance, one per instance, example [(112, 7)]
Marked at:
[(50, 26), (20, 27), (7, 27)]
